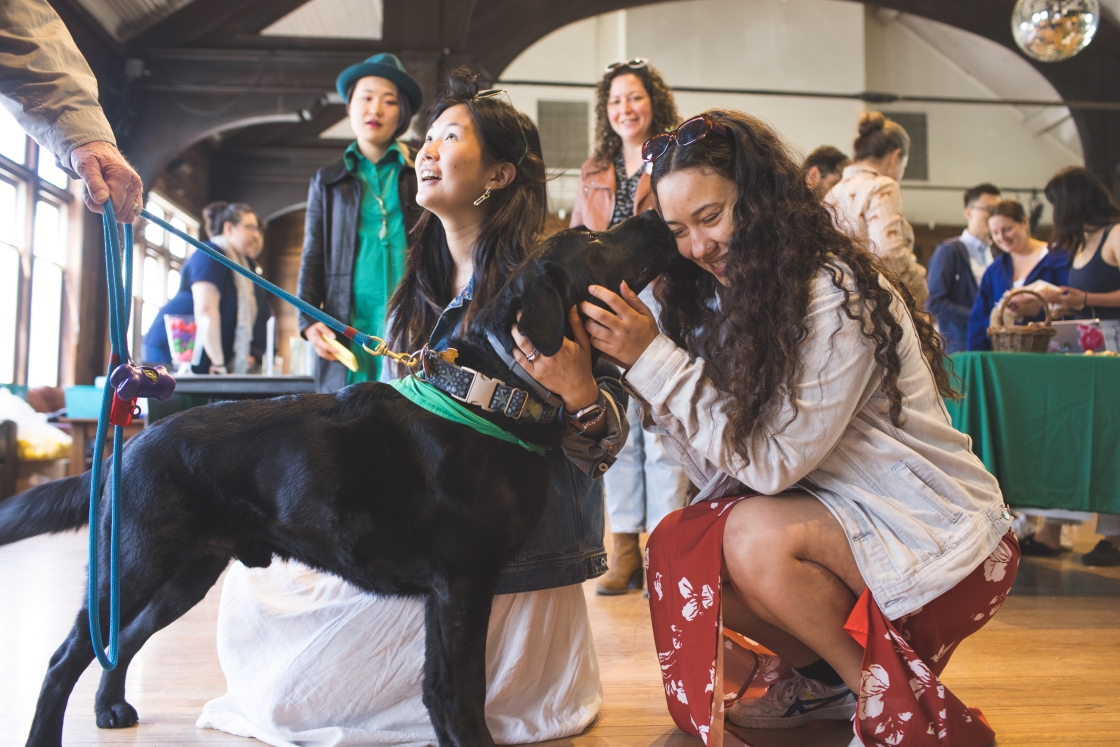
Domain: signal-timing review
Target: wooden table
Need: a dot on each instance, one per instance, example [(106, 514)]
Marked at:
[(83, 431)]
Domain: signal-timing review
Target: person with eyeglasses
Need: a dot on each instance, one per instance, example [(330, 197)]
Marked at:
[(824, 168), (957, 266), (632, 103), (842, 522), (360, 209), (230, 311)]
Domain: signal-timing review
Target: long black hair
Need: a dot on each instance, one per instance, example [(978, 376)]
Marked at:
[(513, 220), (1082, 204), (783, 237)]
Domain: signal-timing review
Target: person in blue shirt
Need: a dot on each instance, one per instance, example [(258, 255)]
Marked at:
[(1024, 261), (230, 311), (958, 265), (359, 211)]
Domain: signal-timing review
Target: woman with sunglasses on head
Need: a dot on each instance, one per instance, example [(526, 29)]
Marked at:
[(632, 103), (843, 523), (359, 211), (230, 312), (310, 659), (867, 201)]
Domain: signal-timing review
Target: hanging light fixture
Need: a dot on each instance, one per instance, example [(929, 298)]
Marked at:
[(1054, 30)]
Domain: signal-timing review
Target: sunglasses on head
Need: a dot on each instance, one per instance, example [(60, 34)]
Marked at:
[(691, 131), (636, 63), (497, 94)]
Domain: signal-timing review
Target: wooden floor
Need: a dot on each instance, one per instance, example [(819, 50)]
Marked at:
[(1045, 670)]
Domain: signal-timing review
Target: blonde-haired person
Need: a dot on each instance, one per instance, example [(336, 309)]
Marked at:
[(632, 103), (868, 201)]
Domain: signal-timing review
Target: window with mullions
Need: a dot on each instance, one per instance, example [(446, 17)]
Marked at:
[(36, 208), (158, 265)]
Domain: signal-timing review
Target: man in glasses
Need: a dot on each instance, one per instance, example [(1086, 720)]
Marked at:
[(824, 168), (957, 266)]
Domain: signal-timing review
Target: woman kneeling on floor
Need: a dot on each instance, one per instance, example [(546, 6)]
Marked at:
[(843, 523), (311, 660)]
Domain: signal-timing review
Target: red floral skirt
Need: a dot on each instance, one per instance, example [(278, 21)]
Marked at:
[(901, 699)]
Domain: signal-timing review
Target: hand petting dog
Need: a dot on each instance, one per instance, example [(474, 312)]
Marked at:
[(623, 336), (568, 373)]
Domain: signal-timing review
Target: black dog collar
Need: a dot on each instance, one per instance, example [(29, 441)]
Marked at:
[(492, 395)]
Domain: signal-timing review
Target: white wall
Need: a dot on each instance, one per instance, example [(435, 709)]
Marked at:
[(967, 144), (807, 45)]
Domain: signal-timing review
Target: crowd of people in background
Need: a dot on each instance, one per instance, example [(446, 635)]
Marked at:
[(816, 530)]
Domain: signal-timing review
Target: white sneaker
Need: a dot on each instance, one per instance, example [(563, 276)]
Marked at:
[(793, 702)]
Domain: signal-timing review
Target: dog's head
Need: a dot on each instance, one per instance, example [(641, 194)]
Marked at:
[(556, 276)]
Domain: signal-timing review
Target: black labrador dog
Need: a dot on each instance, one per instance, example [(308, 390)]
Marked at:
[(362, 484)]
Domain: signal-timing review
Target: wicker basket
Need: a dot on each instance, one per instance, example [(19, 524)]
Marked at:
[(1022, 339)]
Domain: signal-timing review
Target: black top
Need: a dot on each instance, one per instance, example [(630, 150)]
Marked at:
[(1097, 276), (625, 188), (330, 246)]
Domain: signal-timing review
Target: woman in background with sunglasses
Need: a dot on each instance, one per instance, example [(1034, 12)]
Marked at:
[(632, 103), (842, 523)]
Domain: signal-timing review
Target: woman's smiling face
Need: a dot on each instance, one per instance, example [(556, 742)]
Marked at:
[(629, 109), (449, 167), (698, 205)]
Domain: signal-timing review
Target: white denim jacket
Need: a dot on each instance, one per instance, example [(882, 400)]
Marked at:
[(919, 509)]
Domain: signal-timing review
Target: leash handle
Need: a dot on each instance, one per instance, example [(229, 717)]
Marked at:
[(120, 306)]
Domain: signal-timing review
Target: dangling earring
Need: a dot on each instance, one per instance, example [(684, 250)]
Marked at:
[(485, 194)]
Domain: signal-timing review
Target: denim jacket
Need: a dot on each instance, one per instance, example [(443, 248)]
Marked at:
[(919, 509), (567, 545)]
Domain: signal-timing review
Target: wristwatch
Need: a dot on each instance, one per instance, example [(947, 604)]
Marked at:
[(588, 416)]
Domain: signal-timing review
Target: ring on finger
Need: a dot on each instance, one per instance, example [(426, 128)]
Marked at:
[(532, 356)]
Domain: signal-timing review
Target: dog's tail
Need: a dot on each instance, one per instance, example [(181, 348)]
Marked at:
[(47, 509)]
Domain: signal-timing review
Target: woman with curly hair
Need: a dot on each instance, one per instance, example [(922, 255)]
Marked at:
[(843, 522), (645, 484), (632, 103)]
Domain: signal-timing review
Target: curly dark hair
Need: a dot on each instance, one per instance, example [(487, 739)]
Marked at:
[(749, 332), (665, 117), (513, 218)]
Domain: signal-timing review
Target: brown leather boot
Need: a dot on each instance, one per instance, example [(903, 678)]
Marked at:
[(626, 571)]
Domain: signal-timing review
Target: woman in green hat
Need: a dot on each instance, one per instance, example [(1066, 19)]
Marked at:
[(359, 211)]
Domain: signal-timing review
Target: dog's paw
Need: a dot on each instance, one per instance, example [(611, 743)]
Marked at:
[(117, 716)]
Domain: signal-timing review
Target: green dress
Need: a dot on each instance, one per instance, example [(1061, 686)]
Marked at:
[(382, 248)]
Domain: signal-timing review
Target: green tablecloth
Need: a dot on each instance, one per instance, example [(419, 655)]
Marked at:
[(1046, 425)]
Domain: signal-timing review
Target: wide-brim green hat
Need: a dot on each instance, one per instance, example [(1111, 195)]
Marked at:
[(386, 66)]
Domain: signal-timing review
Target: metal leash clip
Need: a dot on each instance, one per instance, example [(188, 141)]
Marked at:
[(408, 360)]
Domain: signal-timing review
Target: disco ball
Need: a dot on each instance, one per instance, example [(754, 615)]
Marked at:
[(1054, 30)]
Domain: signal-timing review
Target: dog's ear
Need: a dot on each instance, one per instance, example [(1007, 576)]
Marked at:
[(543, 316)]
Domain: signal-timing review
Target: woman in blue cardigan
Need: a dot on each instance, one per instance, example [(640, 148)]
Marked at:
[(1024, 261)]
